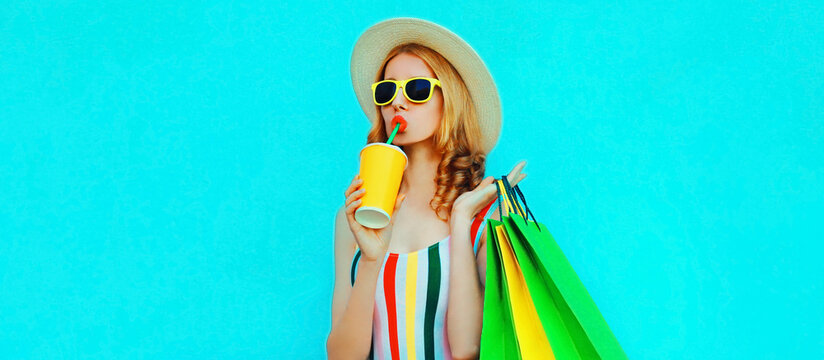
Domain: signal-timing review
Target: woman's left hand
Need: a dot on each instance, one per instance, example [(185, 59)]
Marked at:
[(472, 202)]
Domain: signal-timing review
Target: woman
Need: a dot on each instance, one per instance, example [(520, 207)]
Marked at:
[(414, 289)]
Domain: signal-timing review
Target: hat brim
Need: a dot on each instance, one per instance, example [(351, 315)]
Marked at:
[(378, 40)]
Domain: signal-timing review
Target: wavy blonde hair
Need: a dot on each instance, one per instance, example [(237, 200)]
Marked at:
[(458, 136)]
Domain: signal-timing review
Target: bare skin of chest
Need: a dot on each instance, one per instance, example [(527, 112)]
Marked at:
[(416, 229)]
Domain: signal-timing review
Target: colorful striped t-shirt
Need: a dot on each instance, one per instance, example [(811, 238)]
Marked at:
[(411, 299)]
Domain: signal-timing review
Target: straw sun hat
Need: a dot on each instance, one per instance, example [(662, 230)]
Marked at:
[(378, 40)]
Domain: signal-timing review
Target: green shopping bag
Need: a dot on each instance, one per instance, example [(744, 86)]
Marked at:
[(571, 321), (498, 335), (510, 326), (533, 341)]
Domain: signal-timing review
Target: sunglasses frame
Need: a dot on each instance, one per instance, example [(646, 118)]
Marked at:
[(402, 85)]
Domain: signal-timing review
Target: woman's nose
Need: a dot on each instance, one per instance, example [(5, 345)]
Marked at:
[(400, 101)]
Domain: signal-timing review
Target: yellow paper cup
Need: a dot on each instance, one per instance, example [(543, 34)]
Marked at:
[(381, 169)]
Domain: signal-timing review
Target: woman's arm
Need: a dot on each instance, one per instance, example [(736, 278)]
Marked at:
[(351, 334), (464, 314), (353, 306)]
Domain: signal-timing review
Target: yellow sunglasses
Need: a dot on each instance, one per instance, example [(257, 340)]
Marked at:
[(416, 89)]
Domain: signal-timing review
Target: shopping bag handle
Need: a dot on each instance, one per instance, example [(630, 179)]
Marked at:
[(512, 191), (511, 201), (505, 200)]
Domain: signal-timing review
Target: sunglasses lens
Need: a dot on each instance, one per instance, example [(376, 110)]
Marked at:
[(418, 89), (384, 92)]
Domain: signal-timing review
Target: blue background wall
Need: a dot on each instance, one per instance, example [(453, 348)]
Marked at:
[(170, 170)]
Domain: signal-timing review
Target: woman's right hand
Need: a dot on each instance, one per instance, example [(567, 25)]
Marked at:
[(373, 243)]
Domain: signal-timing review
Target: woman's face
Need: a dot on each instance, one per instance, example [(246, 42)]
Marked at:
[(422, 119)]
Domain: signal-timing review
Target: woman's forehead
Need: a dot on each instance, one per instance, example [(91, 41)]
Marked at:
[(405, 66)]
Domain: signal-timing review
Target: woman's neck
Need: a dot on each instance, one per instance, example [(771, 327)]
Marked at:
[(419, 178)]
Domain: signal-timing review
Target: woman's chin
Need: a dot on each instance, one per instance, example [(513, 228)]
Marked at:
[(400, 138), (405, 142)]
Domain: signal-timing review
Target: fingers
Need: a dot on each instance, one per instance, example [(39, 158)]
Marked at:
[(485, 183), (490, 191), (515, 175), (520, 177), (485, 194), (354, 185), (353, 201), (516, 170), (488, 188), (353, 195)]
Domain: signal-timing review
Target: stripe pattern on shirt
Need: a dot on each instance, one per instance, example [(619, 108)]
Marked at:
[(411, 299)]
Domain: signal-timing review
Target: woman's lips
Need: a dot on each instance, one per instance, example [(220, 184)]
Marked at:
[(398, 120)]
